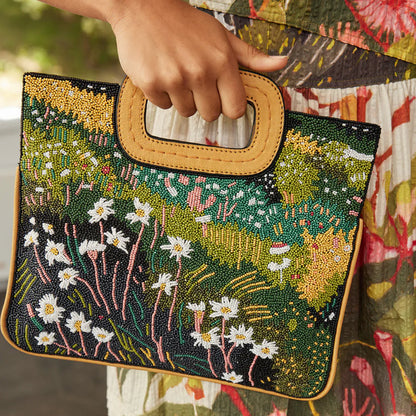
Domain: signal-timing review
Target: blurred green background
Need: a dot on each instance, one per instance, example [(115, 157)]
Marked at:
[(37, 37)]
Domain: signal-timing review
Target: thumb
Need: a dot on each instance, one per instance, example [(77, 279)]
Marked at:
[(251, 58)]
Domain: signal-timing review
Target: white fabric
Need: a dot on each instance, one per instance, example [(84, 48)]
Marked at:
[(168, 124)]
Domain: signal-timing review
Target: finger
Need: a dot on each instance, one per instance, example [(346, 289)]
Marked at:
[(252, 58), (160, 99), (183, 100), (207, 101), (232, 93)]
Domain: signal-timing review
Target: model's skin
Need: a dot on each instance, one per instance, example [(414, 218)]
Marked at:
[(178, 55)]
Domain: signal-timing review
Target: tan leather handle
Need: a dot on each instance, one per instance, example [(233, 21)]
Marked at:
[(267, 132)]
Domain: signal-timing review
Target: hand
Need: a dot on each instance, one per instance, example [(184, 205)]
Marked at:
[(178, 55)]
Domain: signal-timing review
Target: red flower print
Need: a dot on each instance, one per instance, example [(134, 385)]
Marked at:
[(105, 170), (362, 368), (375, 249), (388, 17), (194, 389), (344, 33), (277, 412), (353, 411), (384, 343), (235, 397)]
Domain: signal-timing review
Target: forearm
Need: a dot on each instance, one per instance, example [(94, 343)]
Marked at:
[(98, 9)]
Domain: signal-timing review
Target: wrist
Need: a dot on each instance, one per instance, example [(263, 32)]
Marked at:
[(116, 10)]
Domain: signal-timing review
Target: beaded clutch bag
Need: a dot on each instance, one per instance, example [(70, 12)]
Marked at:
[(231, 265)]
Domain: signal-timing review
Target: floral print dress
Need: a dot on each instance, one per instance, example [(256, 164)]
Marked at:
[(356, 60)]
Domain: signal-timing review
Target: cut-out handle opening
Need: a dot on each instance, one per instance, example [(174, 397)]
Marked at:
[(168, 124)]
